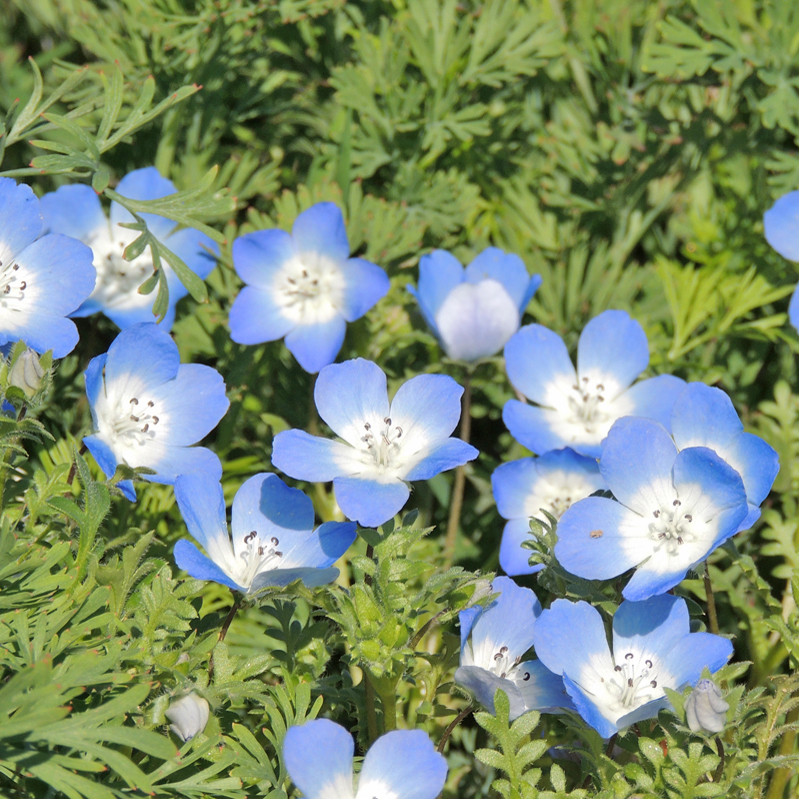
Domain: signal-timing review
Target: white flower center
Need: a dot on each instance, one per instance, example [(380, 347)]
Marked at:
[(671, 527), (635, 682), (13, 284), (134, 423), (587, 404), (505, 667), (381, 445), (257, 556), (310, 289), (118, 280)]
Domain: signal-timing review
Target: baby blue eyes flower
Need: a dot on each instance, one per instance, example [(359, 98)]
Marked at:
[(272, 529), (385, 445), (671, 510), (148, 408), (652, 648), (782, 230), (42, 278), (400, 764), (576, 408), (493, 641), (523, 488), (76, 211), (474, 311), (303, 286)]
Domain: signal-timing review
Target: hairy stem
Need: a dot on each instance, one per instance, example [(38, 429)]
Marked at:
[(713, 624), (369, 699), (223, 631), (457, 497), (721, 765), (462, 715)]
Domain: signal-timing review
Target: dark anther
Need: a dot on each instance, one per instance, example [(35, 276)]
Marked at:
[(150, 403), (367, 426), (135, 401), (23, 285), (653, 684), (676, 503), (387, 420), (155, 420), (617, 668), (656, 514), (649, 664), (146, 427), (261, 551), (630, 681), (628, 656), (526, 676), (687, 517), (274, 540)]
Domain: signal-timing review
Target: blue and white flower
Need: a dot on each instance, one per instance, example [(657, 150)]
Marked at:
[(303, 286), (652, 648), (671, 510), (148, 408), (274, 542), (76, 211), (494, 640), (528, 486), (705, 417), (43, 278), (385, 445), (400, 764), (782, 230), (474, 311), (576, 408)]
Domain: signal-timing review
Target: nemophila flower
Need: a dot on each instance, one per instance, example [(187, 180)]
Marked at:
[(148, 408), (43, 278), (705, 417), (400, 764), (782, 230), (576, 408), (272, 529), (385, 445), (188, 715), (705, 708), (76, 211), (671, 510), (493, 641), (303, 286), (473, 311), (524, 488), (651, 649)]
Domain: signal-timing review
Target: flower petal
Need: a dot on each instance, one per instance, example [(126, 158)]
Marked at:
[(653, 626), (537, 358), (320, 230), (613, 344), (202, 506), (532, 427), (589, 710), (200, 566), (309, 458), (142, 355), (310, 576), (73, 210), (255, 317), (175, 461), (483, 684), (369, 503), (317, 344), (757, 463), (507, 269), (365, 284), (541, 690), (44, 332), (21, 215), (704, 416), (514, 557), (451, 453), (439, 273), (687, 659), (781, 225), (103, 454), (655, 398), (258, 256), (319, 758)]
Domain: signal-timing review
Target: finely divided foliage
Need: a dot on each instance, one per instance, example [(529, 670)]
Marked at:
[(398, 399)]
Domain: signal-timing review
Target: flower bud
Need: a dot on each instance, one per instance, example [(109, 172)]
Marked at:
[(26, 373), (705, 708), (188, 716)]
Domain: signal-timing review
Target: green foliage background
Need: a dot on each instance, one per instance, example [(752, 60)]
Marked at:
[(626, 150)]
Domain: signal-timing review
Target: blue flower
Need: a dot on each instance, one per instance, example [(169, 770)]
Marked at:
[(473, 311), (384, 445), (705, 417), (272, 529), (400, 764), (523, 488), (674, 508), (148, 408), (576, 408), (493, 641), (303, 286), (652, 648), (42, 278), (76, 211), (782, 229)]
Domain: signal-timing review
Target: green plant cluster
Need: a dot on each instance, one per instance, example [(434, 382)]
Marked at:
[(626, 150)]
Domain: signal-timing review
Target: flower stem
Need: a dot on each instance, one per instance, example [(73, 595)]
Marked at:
[(369, 699), (610, 748), (462, 715), (223, 631), (457, 497), (721, 765), (713, 624), (389, 706)]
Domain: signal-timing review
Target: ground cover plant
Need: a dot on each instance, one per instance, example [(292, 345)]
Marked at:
[(400, 398)]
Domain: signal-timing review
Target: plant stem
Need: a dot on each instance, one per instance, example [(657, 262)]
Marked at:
[(457, 497), (611, 742), (74, 468), (713, 624), (462, 715), (223, 631), (721, 765), (369, 699), (389, 706)]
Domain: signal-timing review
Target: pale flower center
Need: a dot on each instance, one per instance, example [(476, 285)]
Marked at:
[(12, 285), (134, 423), (118, 280), (257, 556), (671, 528), (310, 288), (587, 404), (381, 444), (635, 682)]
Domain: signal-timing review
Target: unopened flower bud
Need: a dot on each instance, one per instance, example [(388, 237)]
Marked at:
[(26, 373), (188, 716), (705, 708)]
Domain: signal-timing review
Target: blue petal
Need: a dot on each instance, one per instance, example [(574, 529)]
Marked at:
[(793, 311), (93, 376), (310, 576), (128, 317), (651, 579), (258, 256), (599, 539), (202, 506), (451, 453), (636, 463), (439, 273), (404, 764), (655, 398), (266, 504), (74, 210), (255, 317), (588, 710), (142, 353), (349, 394), (483, 684), (43, 332), (568, 635), (369, 503), (531, 426), (507, 269), (144, 184), (192, 247), (200, 566), (653, 626), (757, 463), (705, 417), (320, 230), (319, 758), (687, 659), (543, 690), (21, 216), (127, 489), (466, 619), (781, 226), (535, 359), (613, 344), (365, 284), (177, 461), (192, 403), (514, 557), (305, 457), (317, 344), (103, 454)]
